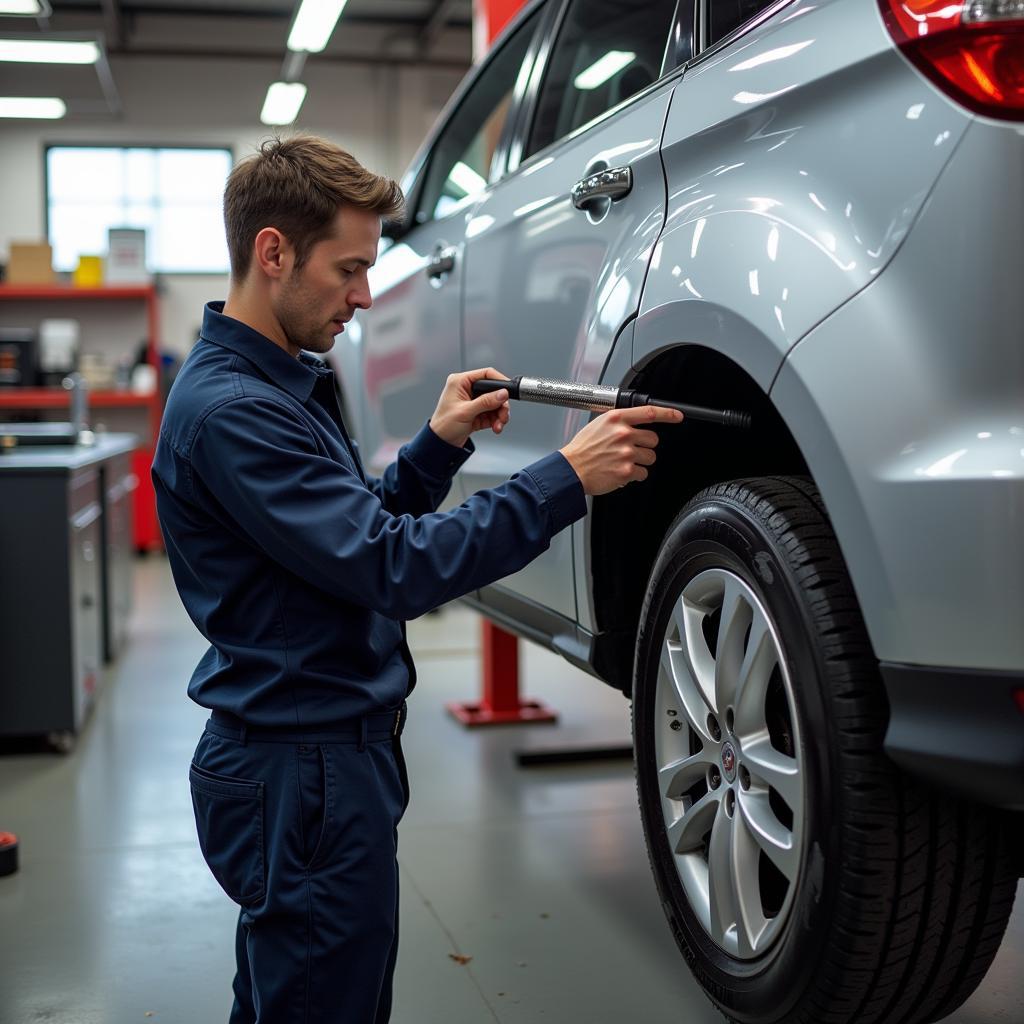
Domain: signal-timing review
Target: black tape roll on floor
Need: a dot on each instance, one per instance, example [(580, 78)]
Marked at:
[(8, 853)]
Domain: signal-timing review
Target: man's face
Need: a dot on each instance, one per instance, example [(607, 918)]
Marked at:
[(313, 304)]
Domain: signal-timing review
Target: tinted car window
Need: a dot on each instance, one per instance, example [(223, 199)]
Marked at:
[(607, 51), (461, 160), (724, 16)]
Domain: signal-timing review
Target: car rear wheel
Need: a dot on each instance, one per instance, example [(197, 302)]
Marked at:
[(805, 878)]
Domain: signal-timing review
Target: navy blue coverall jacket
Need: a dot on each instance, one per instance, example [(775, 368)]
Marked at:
[(298, 567)]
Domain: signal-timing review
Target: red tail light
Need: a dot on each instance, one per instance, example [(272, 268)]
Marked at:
[(972, 49)]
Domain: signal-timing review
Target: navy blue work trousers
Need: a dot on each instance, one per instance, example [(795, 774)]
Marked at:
[(301, 832)]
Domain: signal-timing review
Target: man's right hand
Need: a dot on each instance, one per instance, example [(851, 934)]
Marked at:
[(613, 450)]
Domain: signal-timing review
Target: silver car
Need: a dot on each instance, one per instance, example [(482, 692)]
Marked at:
[(816, 216)]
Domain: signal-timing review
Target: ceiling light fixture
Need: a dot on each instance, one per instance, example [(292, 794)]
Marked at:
[(39, 107), (23, 8), (314, 24), (282, 103), (49, 51)]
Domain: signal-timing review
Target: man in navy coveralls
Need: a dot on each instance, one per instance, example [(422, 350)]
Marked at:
[(301, 571)]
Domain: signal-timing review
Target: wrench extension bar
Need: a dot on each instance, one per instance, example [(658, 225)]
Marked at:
[(599, 398)]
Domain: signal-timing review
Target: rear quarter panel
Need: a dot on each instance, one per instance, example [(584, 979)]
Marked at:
[(797, 159)]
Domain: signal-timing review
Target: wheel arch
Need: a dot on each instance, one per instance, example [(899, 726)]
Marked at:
[(690, 458)]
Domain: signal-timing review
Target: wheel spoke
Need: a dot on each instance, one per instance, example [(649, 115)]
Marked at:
[(753, 676), (770, 767), (699, 659), (678, 776), (736, 616), (769, 833), (687, 832), (751, 922), (720, 880), (731, 886), (678, 670)]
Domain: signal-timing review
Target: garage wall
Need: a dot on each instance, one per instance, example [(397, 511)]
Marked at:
[(380, 113)]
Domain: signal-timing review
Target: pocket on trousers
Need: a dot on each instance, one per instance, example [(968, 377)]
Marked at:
[(311, 771), (229, 820)]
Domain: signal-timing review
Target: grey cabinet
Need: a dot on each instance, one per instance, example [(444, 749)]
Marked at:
[(85, 553), (56, 572), (118, 485)]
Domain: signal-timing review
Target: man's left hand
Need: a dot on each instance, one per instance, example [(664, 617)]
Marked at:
[(459, 414)]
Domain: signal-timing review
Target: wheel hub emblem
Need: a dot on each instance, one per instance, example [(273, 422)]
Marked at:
[(729, 761)]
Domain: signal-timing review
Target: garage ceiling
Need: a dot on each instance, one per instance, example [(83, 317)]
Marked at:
[(424, 31)]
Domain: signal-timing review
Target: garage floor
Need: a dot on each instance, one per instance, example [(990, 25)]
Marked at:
[(539, 875)]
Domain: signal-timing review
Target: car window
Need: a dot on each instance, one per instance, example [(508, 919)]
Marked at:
[(725, 16), (461, 160), (606, 52)]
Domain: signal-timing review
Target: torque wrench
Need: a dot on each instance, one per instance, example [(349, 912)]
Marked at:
[(599, 397)]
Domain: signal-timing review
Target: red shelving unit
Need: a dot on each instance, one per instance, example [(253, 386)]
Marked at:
[(57, 398), (67, 291), (147, 529)]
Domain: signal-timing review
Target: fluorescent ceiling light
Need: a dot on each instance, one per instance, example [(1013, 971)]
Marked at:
[(49, 51), (39, 8), (600, 71), (282, 103), (29, 106), (314, 24)]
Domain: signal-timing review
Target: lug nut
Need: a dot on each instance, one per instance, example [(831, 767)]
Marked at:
[(714, 728), (715, 780), (730, 802), (744, 777)]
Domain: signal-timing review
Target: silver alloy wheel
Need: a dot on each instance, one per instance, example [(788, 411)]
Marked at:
[(729, 763)]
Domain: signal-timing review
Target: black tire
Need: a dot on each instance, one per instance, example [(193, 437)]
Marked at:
[(902, 894)]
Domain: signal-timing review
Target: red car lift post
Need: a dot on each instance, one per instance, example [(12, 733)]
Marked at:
[(8, 853), (501, 703)]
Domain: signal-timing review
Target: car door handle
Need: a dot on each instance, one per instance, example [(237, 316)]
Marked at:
[(613, 183), (442, 262)]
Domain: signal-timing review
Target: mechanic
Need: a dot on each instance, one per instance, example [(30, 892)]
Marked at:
[(300, 570)]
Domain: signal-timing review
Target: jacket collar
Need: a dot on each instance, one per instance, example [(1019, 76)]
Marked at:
[(296, 376)]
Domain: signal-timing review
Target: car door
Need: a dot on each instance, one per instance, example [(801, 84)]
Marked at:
[(552, 276), (405, 345)]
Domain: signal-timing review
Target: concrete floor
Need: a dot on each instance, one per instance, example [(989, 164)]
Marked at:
[(539, 875)]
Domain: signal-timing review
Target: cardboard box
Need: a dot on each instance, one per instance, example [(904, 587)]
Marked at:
[(30, 263)]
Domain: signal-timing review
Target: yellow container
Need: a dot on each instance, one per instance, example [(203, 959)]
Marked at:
[(89, 272)]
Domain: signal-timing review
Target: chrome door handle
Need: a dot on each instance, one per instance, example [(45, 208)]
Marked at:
[(442, 262), (613, 183)]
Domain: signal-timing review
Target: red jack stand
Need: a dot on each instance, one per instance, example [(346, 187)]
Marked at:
[(501, 704)]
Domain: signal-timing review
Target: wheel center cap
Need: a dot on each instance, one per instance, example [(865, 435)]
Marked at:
[(729, 761)]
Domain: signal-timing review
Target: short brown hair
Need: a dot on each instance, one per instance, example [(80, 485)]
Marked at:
[(297, 185)]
